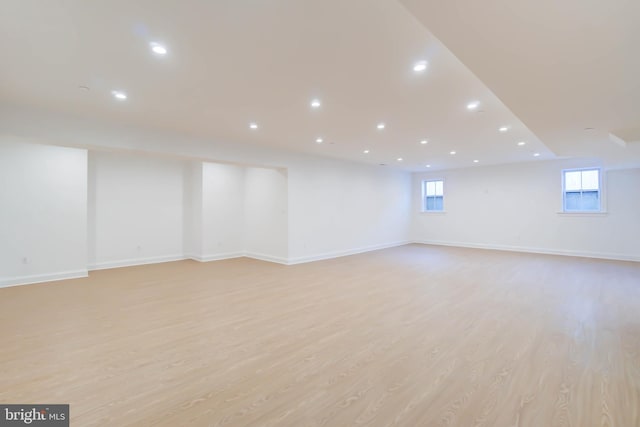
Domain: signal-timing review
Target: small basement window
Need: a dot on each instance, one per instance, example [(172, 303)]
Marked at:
[(433, 196), (581, 190)]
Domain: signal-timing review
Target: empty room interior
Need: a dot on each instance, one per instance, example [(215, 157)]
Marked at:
[(320, 213)]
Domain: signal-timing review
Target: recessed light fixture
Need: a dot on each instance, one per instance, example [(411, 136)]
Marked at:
[(399, 159), (589, 129), (473, 105), (319, 140), (119, 95), (315, 103), (521, 143), (452, 153), (366, 151), (380, 126), (253, 125), (503, 129), (476, 161), (427, 166), (536, 154), (420, 66), (159, 49), (424, 141), (84, 88)]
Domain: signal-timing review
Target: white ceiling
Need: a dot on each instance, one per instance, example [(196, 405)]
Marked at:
[(232, 62), (560, 66)]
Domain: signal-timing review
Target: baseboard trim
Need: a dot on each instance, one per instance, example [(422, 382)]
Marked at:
[(338, 254), (41, 278), (214, 257), (525, 249), (135, 261), (268, 258)]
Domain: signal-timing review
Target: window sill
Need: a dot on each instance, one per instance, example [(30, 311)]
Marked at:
[(433, 212), (587, 214)]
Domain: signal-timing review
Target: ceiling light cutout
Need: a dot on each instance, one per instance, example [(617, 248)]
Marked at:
[(521, 143), (315, 103), (420, 66), (453, 153), (424, 142), (319, 140), (366, 151), (253, 125), (381, 126), (158, 48), (473, 105), (117, 94), (503, 129)]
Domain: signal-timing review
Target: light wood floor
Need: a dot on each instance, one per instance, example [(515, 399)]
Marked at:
[(410, 336)]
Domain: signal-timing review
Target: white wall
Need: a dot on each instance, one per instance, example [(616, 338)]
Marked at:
[(518, 207), (337, 208), (43, 212), (223, 217), (137, 212), (265, 225)]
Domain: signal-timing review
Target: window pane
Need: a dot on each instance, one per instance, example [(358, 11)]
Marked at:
[(590, 180), (430, 203), (439, 188), (572, 180), (572, 201), (438, 203), (431, 188), (590, 201)]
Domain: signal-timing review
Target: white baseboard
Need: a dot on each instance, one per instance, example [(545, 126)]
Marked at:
[(337, 254), (40, 278), (214, 257), (268, 258), (526, 249), (135, 261)]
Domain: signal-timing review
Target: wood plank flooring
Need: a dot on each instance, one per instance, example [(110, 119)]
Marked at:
[(409, 336)]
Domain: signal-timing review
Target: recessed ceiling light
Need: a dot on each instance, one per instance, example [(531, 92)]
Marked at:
[(380, 126), (158, 49), (399, 159), (315, 103), (452, 152), (319, 140), (424, 141), (84, 88), (427, 166), (589, 129), (253, 125), (476, 161), (521, 143), (366, 151), (420, 66), (473, 105), (503, 129), (119, 95), (536, 154)]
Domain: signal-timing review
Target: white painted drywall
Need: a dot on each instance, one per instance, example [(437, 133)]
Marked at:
[(333, 207), (222, 211), (265, 215), (138, 209), (518, 207), (43, 212), (192, 210), (337, 208)]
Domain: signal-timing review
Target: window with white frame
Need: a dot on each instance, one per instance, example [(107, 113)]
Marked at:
[(433, 195), (581, 190)]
